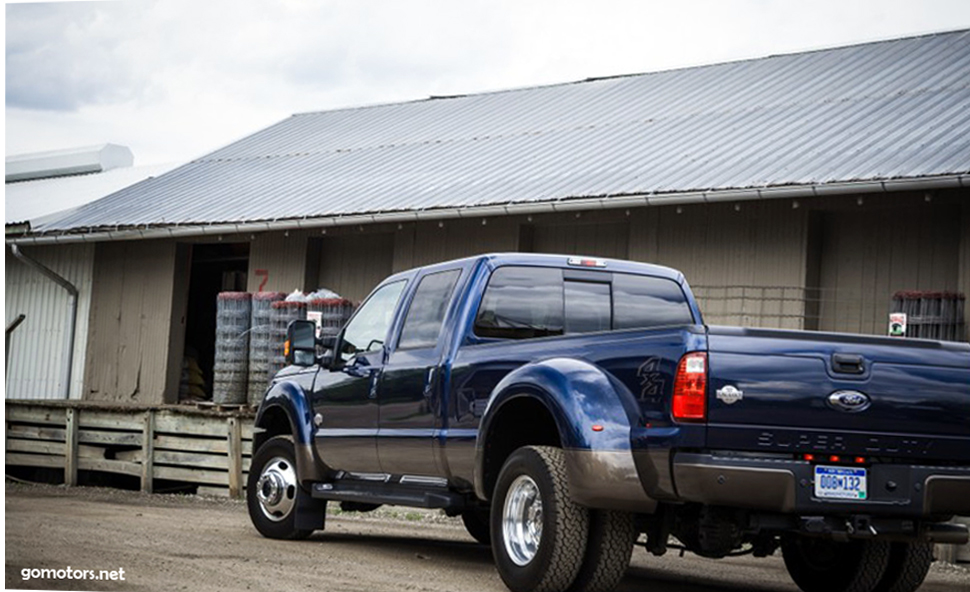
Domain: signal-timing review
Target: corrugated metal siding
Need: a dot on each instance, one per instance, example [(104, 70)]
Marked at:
[(131, 323), (965, 264), (283, 256), (868, 256), (761, 245), (352, 265), (37, 345), (427, 242), (895, 109), (600, 239)]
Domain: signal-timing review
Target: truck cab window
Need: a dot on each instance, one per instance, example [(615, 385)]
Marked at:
[(643, 301), (521, 303), (368, 329), (427, 310), (588, 307)]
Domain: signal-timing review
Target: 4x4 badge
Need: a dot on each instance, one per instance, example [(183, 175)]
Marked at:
[(729, 394)]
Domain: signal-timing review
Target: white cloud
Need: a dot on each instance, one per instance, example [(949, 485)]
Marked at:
[(173, 79)]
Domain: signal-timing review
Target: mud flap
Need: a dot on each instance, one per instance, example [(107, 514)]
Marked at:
[(311, 514)]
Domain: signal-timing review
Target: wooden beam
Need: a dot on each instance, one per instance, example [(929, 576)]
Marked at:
[(110, 466), (148, 452), (70, 448), (17, 459), (235, 457), (35, 432)]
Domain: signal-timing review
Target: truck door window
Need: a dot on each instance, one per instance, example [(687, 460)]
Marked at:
[(427, 310), (368, 329), (521, 303), (587, 307), (643, 301)]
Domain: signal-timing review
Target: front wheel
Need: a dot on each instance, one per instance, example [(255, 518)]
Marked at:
[(821, 565), (538, 532), (272, 490)]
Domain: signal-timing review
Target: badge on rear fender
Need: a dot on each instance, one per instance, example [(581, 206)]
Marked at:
[(729, 394)]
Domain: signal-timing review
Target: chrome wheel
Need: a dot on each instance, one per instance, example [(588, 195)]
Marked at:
[(522, 520), (276, 489)]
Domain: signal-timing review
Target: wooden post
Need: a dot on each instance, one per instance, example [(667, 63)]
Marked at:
[(148, 452), (70, 448), (235, 457)]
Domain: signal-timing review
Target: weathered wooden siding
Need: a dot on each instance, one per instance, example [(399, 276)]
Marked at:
[(600, 239), (430, 242), (353, 264), (869, 255), (758, 251), (131, 322), (283, 258), (964, 266), (37, 345)]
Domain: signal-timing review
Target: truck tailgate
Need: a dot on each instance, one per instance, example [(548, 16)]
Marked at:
[(804, 392)]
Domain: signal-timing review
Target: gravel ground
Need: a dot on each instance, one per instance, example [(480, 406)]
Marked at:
[(176, 542)]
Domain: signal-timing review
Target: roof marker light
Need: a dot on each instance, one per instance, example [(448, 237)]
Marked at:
[(585, 262), (597, 427)]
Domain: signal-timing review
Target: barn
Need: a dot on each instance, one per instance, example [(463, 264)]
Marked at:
[(798, 191)]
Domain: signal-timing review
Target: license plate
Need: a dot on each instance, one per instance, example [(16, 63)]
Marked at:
[(840, 483)]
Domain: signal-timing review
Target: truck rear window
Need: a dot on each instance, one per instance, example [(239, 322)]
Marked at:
[(528, 302)]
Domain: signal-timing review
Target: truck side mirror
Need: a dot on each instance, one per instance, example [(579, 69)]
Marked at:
[(300, 347)]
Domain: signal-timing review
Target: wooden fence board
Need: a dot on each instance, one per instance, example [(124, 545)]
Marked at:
[(30, 414), (35, 446), (34, 460), (192, 475), (110, 466), (35, 432), (114, 438), (90, 418), (171, 423), (190, 444)]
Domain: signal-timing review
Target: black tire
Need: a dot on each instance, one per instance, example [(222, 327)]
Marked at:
[(477, 524), (908, 566), (561, 544), (608, 551), (279, 451), (821, 565)]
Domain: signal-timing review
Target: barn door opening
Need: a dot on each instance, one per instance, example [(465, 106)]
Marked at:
[(214, 268)]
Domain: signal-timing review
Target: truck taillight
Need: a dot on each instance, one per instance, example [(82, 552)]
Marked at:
[(690, 388)]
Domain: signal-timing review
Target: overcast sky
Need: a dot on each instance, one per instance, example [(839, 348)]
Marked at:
[(174, 80)]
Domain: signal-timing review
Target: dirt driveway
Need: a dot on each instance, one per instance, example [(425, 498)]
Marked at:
[(168, 542)]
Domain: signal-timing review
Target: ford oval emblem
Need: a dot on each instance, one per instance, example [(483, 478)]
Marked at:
[(850, 401)]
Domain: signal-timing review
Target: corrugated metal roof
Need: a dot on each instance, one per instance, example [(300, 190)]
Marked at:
[(33, 201), (887, 110)]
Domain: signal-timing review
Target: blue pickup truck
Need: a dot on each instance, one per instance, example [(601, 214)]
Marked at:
[(568, 408)]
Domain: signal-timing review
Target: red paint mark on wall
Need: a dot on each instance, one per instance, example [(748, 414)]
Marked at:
[(265, 275)]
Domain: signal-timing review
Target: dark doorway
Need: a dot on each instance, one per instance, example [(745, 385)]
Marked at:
[(219, 267)]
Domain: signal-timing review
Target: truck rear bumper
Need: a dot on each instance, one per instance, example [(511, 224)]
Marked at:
[(787, 486)]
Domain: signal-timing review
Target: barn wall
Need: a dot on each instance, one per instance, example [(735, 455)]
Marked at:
[(353, 264), (747, 264), (964, 266), (37, 345), (278, 262), (430, 242), (869, 255), (129, 338)]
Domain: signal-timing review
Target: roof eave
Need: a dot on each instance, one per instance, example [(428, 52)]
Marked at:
[(951, 181)]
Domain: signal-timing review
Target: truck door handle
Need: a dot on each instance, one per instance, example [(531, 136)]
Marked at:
[(848, 364)]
